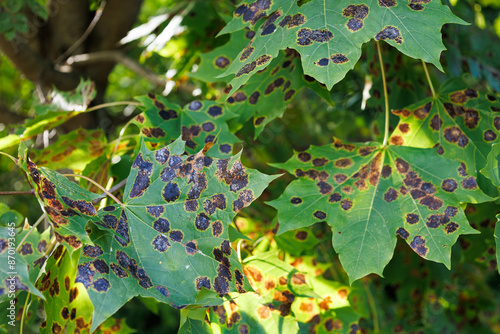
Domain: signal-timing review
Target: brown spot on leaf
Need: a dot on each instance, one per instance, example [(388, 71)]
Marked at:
[(390, 195), (433, 203), (397, 140), (254, 273), (418, 245), (402, 166), (489, 135), (451, 227), (471, 118), (346, 204), (449, 185), (389, 32), (343, 163), (422, 111), (404, 127), (436, 123), (469, 183), (263, 312)]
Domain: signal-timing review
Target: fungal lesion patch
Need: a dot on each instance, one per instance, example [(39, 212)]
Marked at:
[(292, 21), (306, 36), (391, 33), (357, 14)]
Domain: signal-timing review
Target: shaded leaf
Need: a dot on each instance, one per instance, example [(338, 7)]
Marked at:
[(265, 95), (329, 34), (73, 150), (462, 123), (199, 122), (492, 168), (369, 194), (20, 270)]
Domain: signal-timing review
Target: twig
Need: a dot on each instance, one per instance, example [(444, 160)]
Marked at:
[(116, 187), (10, 157), (386, 98), (25, 312), (117, 57), (15, 193), (97, 185), (111, 104), (86, 34)]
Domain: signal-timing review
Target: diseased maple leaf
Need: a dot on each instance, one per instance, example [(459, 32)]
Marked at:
[(267, 93), (67, 304), (329, 34), (25, 264), (198, 123), (369, 194), (68, 206), (170, 238), (280, 304), (462, 123)]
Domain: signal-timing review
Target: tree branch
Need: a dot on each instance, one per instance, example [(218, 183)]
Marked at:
[(35, 67), (84, 36), (114, 56)]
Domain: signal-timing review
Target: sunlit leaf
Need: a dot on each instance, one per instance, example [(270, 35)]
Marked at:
[(462, 123), (67, 304), (329, 34), (369, 194), (170, 237)]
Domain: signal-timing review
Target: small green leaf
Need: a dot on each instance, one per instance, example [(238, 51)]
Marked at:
[(67, 304), (234, 235), (198, 123), (492, 168)]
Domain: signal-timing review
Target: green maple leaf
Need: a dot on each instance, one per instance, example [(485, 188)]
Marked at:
[(369, 194), (198, 122), (169, 239), (492, 168), (68, 206), (329, 34), (267, 93), (67, 304), (28, 260), (462, 123)]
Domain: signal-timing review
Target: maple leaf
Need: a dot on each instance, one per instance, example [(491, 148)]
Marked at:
[(28, 260), (370, 194), (199, 122), (267, 93), (282, 291), (329, 34), (170, 238), (461, 122), (67, 304)]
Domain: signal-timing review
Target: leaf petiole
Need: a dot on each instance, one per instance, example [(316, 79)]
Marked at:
[(386, 98), (429, 79)]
